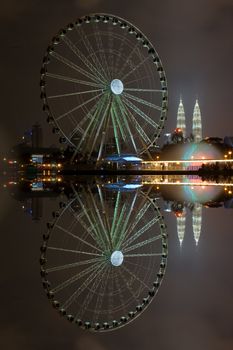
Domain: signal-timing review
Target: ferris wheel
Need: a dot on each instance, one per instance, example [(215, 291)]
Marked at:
[(104, 257), (103, 87)]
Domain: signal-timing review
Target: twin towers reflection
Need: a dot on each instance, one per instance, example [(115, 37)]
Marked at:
[(104, 253)]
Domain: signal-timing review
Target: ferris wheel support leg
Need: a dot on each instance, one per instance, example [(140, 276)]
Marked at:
[(101, 146)]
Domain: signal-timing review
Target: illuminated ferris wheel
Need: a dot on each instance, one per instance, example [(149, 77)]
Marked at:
[(103, 87), (104, 257)]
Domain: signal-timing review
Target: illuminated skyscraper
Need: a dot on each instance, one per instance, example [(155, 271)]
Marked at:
[(181, 226), (197, 219), (181, 118), (197, 126)]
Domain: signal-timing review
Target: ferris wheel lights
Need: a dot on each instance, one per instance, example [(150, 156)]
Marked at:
[(151, 50), (55, 40), (49, 120), (159, 274), (97, 18), (43, 273), (145, 301), (156, 59), (131, 30), (115, 323), (105, 19), (43, 248), (145, 44), (87, 19), (45, 107), (42, 83), (87, 325), (42, 260), (138, 36), (50, 225), (152, 293), (156, 284), (62, 312), (70, 26), (70, 318), (55, 130), (50, 49), (50, 294), (46, 284), (79, 22), (79, 322), (43, 71), (56, 304), (97, 326), (42, 95), (62, 32), (139, 308)]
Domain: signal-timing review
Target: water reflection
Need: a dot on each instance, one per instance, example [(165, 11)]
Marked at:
[(104, 255)]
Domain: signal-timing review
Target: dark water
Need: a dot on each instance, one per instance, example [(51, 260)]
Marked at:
[(193, 306)]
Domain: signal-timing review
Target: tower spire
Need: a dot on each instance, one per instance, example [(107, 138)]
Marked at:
[(197, 124), (197, 220), (181, 117), (181, 219)]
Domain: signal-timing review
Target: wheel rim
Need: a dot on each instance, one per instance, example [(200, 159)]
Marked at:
[(103, 87), (101, 272)]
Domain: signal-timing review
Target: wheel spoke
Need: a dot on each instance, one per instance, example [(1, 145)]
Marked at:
[(128, 217), (136, 67), (139, 128), (142, 211), (75, 93), (69, 266), (141, 231), (72, 251), (132, 52), (101, 50), (135, 277), (140, 113), (142, 101), (115, 130), (73, 66), (91, 52), (90, 294), (103, 123), (83, 58), (75, 278), (124, 115), (142, 255), (143, 243), (94, 275), (77, 107), (142, 90), (73, 80), (76, 237), (98, 236), (95, 110), (100, 221)]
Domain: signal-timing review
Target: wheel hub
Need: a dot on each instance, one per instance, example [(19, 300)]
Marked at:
[(117, 86)]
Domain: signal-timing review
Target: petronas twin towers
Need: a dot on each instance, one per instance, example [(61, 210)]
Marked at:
[(196, 223), (196, 125)]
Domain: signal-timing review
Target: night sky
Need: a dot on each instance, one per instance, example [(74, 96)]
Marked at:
[(194, 306)]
